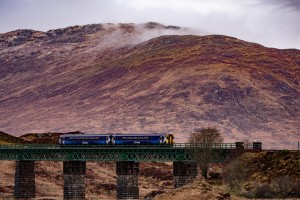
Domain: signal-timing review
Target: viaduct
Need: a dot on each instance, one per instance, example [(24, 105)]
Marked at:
[(127, 164)]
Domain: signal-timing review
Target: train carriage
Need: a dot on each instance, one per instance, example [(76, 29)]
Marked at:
[(85, 139), (117, 139), (143, 139)]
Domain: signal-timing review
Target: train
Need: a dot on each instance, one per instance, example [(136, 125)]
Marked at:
[(117, 139)]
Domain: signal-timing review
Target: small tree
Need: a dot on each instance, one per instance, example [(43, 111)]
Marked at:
[(202, 142)]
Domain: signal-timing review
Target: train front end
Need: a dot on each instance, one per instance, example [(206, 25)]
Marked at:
[(143, 139)]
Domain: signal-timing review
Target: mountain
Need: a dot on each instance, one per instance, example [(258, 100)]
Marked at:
[(134, 78)]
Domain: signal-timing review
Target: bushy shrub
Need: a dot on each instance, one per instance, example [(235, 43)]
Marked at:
[(263, 191), (235, 174), (284, 152), (287, 186), (295, 189), (282, 187)]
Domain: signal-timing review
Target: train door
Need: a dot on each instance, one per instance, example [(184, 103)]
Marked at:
[(108, 140), (60, 140), (170, 139), (112, 139)]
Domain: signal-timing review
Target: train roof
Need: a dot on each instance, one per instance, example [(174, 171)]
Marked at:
[(84, 135), (139, 134), (115, 134)]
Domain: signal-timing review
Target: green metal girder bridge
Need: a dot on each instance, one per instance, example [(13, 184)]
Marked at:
[(139, 153)]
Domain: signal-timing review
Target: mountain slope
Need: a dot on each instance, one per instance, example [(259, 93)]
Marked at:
[(108, 78), (6, 139)]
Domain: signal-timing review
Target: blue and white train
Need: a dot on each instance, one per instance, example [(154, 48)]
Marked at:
[(117, 139)]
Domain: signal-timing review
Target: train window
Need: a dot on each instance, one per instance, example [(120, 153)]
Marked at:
[(85, 138)]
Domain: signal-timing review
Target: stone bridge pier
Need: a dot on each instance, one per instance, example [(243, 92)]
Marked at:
[(184, 172), (127, 180), (24, 187), (74, 175)]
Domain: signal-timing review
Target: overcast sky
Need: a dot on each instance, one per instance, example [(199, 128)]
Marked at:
[(273, 23)]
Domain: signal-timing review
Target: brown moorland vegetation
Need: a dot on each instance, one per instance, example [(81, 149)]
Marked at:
[(112, 78)]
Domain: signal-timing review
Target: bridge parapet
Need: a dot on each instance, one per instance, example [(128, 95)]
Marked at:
[(147, 153)]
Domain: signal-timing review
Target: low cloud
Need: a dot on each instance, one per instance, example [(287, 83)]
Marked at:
[(147, 34), (132, 34)]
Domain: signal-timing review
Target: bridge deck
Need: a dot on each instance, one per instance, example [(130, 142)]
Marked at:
[(161, 153)]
